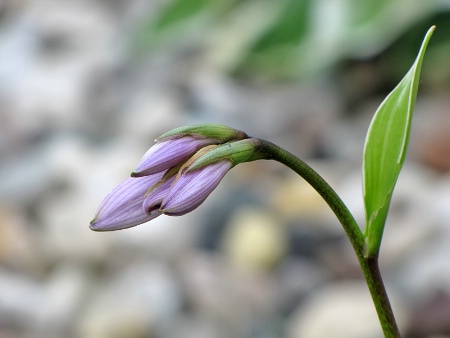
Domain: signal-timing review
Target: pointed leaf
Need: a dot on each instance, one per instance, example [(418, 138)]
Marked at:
[(385, 149)]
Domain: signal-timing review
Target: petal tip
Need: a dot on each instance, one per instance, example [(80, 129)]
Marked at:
[(93, 226)]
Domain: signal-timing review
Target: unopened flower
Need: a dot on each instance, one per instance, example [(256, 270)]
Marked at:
[(177, 145), (167, 154), (198, 177), (176, 175), (122, 207), (193, 187)]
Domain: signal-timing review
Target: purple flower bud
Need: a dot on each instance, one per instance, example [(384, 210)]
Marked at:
[(122, 207), (176, 175), (193, 187), (169, 153)]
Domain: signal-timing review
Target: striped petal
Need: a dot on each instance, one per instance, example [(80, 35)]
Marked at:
[(122, 207), (193, 187), (169, 153)]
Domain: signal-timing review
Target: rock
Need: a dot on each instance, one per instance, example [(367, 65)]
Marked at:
[(48, 55), (294, 197), (296, 278), (43, 308), (195, 326), (235, 301), (431, 143), (431, 318), (254, 239), (137, 300), (340, 310), (18, 246)]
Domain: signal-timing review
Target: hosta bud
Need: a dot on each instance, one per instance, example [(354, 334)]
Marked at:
[(122, 207), (193, 187), (176, 175), (169, 153), (178, 145)]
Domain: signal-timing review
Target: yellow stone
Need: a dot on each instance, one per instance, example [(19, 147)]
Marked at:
[(254, 239)]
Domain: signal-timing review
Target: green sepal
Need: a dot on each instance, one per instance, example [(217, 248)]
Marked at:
[(236, 152), (213, 131)]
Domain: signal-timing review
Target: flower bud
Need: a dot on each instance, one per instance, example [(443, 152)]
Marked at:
[(177, 145), (168, 153), (122, 207), (176, 175), (193, 187)]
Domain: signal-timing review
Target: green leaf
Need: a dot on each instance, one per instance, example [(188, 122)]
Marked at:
[(385, 149)]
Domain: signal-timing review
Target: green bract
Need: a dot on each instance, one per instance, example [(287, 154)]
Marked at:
[(236, 152), (212, 131), (385, 149)]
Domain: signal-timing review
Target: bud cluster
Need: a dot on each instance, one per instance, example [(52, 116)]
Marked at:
[(176, 175)]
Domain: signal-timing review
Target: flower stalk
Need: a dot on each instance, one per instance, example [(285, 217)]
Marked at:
[(369, 266)]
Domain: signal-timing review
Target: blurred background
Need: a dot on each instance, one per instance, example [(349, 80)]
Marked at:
[(86, 86)]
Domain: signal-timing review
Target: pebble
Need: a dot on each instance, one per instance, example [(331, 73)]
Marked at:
[(135, 301), (254, 239), (339, 310)]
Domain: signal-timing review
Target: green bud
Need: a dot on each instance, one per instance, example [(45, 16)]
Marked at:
[(217, 132), (236, 152)]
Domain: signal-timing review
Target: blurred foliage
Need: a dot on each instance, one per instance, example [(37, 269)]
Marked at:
[(291, 39), (179, 11)]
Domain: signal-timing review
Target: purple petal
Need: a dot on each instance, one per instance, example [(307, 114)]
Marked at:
[(167, 154), (192, 188), (122, 207), (154, 199)]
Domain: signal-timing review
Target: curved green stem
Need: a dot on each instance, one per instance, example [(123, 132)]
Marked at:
[(369, 266)]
